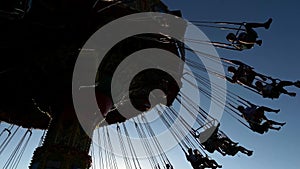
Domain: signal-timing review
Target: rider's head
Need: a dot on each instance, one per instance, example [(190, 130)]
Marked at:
[(241, 108), (231, 69), (259, 85), (190, 151), (231, 37)]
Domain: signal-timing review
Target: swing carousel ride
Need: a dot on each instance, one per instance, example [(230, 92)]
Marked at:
[(40, 42)]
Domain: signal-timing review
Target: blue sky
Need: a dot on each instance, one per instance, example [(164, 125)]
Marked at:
[(277, 57)]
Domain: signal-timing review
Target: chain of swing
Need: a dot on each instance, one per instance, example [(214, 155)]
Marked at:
[(144, 130), (181, 132), (8, 137), (233, 100)]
